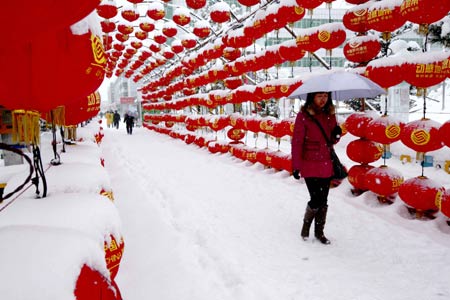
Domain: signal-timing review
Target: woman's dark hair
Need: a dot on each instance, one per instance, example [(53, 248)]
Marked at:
[(310, 101)]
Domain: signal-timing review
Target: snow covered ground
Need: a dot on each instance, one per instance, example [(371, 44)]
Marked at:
[(209, 226)]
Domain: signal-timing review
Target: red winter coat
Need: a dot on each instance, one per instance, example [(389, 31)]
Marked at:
[(310, 153)]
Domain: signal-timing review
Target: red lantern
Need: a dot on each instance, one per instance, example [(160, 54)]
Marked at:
[(130, 14), (290, 12), (331, 35), (422, 135), (125, 29), (201, 29), (146, 26), (113, 255), (220, 12), (384, 181), (235, 134), (386, 71), (156, 11), (308, 40), (169, 30), (108, 26), (142, 35), (355, 19), (231, 53), (385, 16), (444, 204), (357, 123), (356, 1), (248, 2), (188, 41), (309, 4), (357, 177), (195, 4), (289, 50), (80, 110), (107, 9), (160, 39), (444, 133), (421, 193), (384, 130), (91, 282), (364, 151), (362, 48), (233, 82), (427, 69), (181, 16), (424, 11)]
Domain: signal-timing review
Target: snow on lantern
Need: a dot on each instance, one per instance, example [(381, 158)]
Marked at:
[(309, 4), (237, 121), (290, 51), (384, 16), (422, 135), (290, 11), (331, 35), (217, 123), (107, 9), (421, 195), (231, 53), (188, 41), (424, 12), (355, 19), (195, 4), (156, 11), (233, 82), (357, 178), (357, 123), (427, 69), (307, 39), (181, 16), (385, 182), (147, 26), (141, 35), (220, 12), (386, 71), (362, 48), (444, 133), (107, 26), (92, 282), (364, 151), (160, 38), (384, 130), (125, 29), (130, 14), (169, 29)]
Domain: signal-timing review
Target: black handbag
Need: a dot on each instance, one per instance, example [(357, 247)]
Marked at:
[(340, 172)]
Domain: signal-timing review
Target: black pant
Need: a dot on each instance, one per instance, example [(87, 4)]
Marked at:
[(130, 128), (318, 189)]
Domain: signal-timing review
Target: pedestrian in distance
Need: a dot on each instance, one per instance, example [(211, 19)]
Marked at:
[(116, 119), (311, 158), (129, 122)]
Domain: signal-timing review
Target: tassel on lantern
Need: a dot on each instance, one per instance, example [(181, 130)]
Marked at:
[(25, 125)]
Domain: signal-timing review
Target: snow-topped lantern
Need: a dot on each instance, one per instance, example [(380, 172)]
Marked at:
[(181, 16), (424, 12), (384, 181), (308, 40), (220, 12), (357, 123), (357, 177), (160, 38), (386, 71), (355, 19), (422, 135), (147, 26), (364, 151), (107, 9), (331, 36), (130, 14), (156, 11), (290, 51), (422, 194), (444, 133), (384, 130), (188, 41), (195, 4), (384, 16), (169, 29), (290, 12), (362, 48), (113, 255), (309, 4), (201, 29), (426, 69)]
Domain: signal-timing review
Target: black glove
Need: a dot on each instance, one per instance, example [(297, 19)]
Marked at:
[(296, 174), (336, 132)]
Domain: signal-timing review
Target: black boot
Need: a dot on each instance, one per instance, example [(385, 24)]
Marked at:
[(321, 217), (307, 220)]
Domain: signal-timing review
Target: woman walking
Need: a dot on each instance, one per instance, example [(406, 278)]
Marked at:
[(311, 157)]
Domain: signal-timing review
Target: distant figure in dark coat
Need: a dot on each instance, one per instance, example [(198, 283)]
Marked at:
[(116, 119), (129, 121)]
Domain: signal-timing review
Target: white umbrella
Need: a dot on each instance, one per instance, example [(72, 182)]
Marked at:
[(343, 85)]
